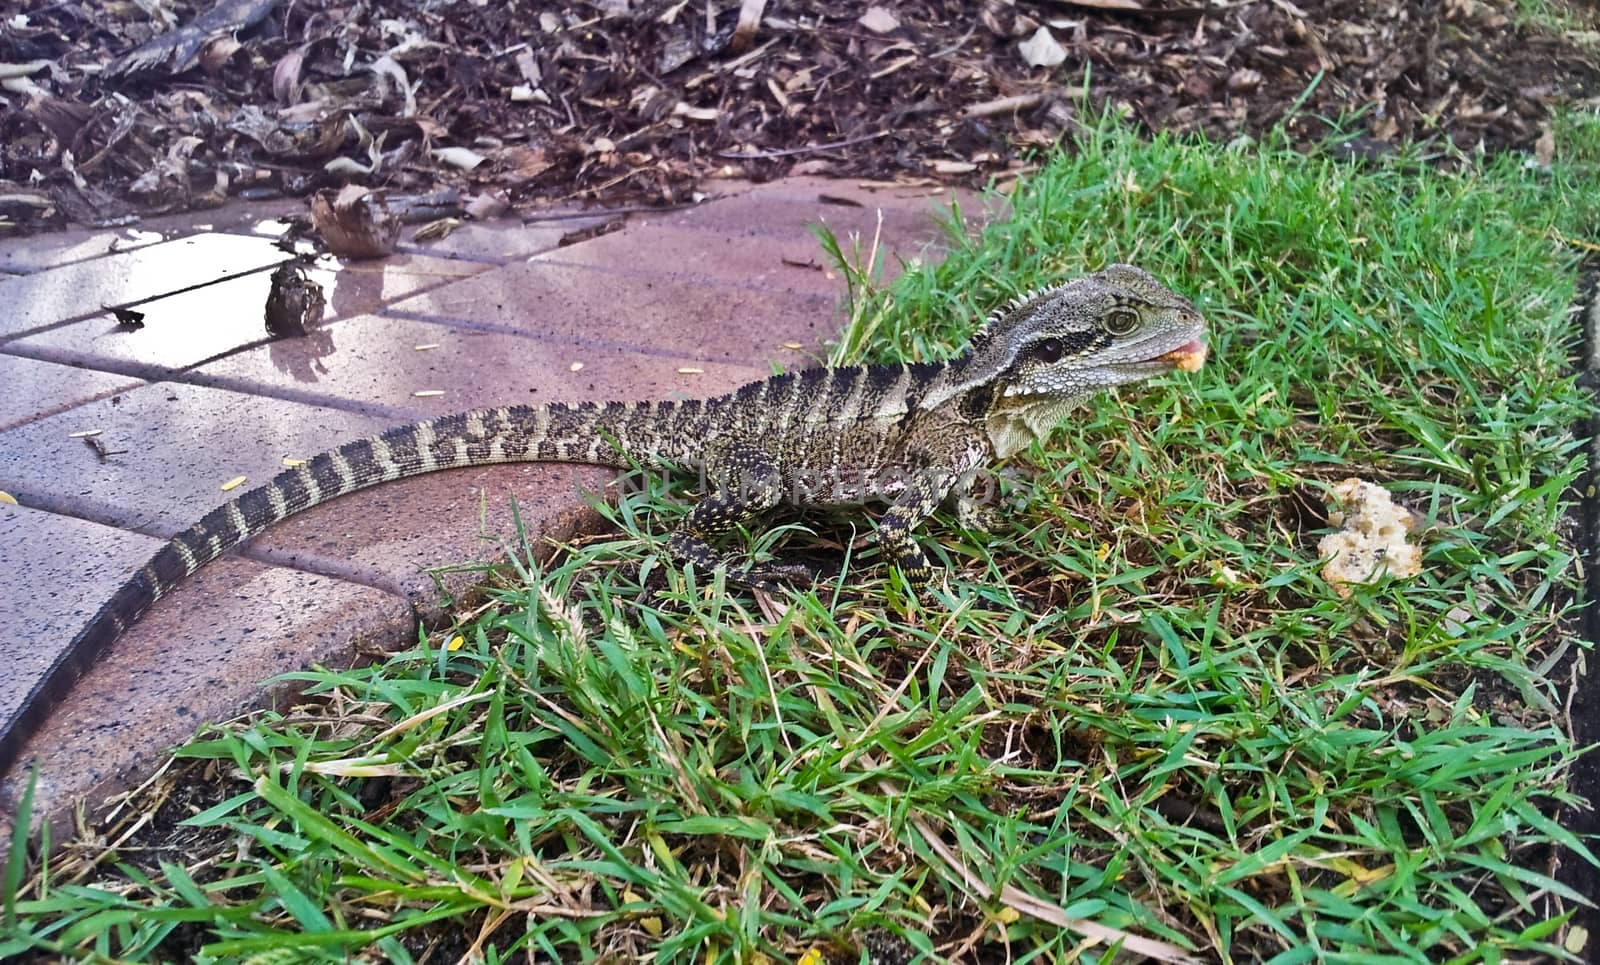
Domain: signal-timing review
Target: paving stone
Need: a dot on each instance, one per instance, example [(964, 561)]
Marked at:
[(372, 363), (171, 672), (32, 253), (458, 522), (174, 444), (204, 323), (653, 307), (70, 568), (910, 220), (31, 389), (89, 287), (790, 263), (497, 242)]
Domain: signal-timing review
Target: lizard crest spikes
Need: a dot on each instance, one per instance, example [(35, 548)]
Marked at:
[(912, 436)]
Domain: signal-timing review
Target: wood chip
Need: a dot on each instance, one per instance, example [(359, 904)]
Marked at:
[(427, 393), (427, 347), (576, 366), (744, 34), (234, 483), (791, 346), (290, 462), (878, 20), (85, 434), (691, 370)]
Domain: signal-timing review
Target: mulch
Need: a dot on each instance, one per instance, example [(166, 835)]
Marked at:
[(107, 113)]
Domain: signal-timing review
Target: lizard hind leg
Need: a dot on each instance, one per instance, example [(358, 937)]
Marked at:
[(748, 484)]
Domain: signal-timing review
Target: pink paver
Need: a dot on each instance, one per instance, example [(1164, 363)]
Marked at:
[(30, 389), (31, 253), (381, 363), (75, 566), (496, 243), (171, 672), (174, 446), (910, 217), (791, 264), (208, 322), (90, 287), (677, 313), (395, 536)]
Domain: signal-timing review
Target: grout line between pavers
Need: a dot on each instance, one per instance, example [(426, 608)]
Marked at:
[(151, 374), (106, 309), (499, 328), (718, 281), (493, 261), (397, 414), (68, 406)]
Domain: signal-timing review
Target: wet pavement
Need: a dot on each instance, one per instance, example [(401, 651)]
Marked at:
[(682, 303)]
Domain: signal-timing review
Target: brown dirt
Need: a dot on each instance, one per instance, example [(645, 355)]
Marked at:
[(641, 101)]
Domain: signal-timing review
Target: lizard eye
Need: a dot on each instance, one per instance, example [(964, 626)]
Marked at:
[(1121, 321), (1050, 350)]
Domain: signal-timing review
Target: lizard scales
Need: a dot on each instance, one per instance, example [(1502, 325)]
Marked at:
[(910, 435)]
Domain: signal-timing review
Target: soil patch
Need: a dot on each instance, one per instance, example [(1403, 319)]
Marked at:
[(107, 113)]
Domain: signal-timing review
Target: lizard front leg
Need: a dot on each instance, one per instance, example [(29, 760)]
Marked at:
[(748, 483), (971, 514), (947, 472)]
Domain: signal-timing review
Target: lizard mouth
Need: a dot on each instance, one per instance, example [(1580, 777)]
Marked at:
[(1188, 357)]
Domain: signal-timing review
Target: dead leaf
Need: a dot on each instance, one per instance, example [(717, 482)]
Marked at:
[(8, 71), (485, 207), (520, 163), (529, 68), (695, 113), (1244, 80), (879, 20), (744, 33), (217, 52), (459, 157), (286, 83), (389, 69), (1105, 4), (356, 222), (1041, 50), (1544, 149)]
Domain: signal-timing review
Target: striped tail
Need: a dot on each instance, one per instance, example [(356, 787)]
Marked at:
[(609, 434)]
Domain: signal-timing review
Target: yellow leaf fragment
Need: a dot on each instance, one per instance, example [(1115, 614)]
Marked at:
[(455, 643), (1577, 938), (812, 956), (426, 347), (234, 483), (290, 462), (428, 393), (7, 498), (85, 434), (691, 370), (649, 923), (1008, 915)]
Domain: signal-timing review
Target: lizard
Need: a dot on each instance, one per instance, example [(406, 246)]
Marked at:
[(909, 435)]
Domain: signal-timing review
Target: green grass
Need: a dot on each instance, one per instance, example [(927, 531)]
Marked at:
[(1135, 711)]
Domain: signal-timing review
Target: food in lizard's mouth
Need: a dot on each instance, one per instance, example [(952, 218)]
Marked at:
[(1187, 357)]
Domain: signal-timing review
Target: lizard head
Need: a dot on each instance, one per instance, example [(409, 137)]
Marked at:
[(1050, 350)]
